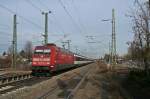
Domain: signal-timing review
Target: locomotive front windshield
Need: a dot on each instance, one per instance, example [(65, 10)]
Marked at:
[(42, 51)]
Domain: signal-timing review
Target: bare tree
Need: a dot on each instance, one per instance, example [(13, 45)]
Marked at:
[(28, 50), (10, 50), (141, 17)]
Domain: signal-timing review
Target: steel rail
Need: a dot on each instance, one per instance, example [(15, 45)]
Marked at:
[(6, 79), (78, 85)]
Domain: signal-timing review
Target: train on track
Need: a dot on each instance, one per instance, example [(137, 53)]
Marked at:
[(51, 58)]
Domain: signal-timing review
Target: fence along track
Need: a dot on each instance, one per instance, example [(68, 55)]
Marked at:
[(12, 77)]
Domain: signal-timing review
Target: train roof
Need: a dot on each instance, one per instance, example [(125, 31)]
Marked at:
[(62, 49), (41, 47), (77, 55)]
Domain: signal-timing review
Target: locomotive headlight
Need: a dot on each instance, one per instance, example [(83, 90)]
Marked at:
[(48, 63), (52, 66), (34, 63)]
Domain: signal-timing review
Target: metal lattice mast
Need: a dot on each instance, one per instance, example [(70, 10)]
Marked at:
[(14, 42), (68, 43), (46, 27), (113, 49), (109, 52)]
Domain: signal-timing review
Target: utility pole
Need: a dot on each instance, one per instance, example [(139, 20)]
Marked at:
[(113, 45), (149, 3), (14, 42), (76, 48), (109, 52), (46, 27), (63, 45), (66, 42)]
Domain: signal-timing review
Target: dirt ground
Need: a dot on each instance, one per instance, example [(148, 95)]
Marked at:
[(99, 85), (37, 90)]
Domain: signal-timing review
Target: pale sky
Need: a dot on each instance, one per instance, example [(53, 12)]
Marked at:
[(85, 20)]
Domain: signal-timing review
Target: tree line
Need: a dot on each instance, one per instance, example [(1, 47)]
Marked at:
[(24, 56), (139, 47)]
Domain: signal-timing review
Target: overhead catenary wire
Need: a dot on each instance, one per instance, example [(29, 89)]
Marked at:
[(65, 9), (3, 32), (55, 17), (5, 26), (57, 22), (70, 16), (5, 36), (25, 19), (77, 12), (33, 5), (46, 20), (35, 24)]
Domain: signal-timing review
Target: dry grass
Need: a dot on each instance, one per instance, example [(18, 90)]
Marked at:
[(99, 85)]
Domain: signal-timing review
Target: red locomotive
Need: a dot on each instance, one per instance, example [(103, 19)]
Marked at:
[(50, 58)]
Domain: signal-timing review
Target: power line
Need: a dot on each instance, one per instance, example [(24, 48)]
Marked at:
[(43, 4), (57, 22), (59, 26), (4, 26), (38, 26), (5, 32), (27, 20), (6, 42), (61, 3), (9, 10), (5, 35), (46, 21), (2, 48), (33, 5), (79, 20), (53, 15)]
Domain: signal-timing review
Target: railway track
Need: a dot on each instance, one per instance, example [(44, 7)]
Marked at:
[(72, 93), (13, 86), (12, 81), (77, 78), (9, 87), (13, 77)]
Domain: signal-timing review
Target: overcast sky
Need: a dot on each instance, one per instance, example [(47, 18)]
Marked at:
[(84, 19)]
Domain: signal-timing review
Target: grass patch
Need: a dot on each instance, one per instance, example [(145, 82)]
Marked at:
[(138, 85)]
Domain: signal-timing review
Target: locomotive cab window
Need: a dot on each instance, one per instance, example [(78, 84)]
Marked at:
[(41, 51), (47, 51), (38, 51)]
